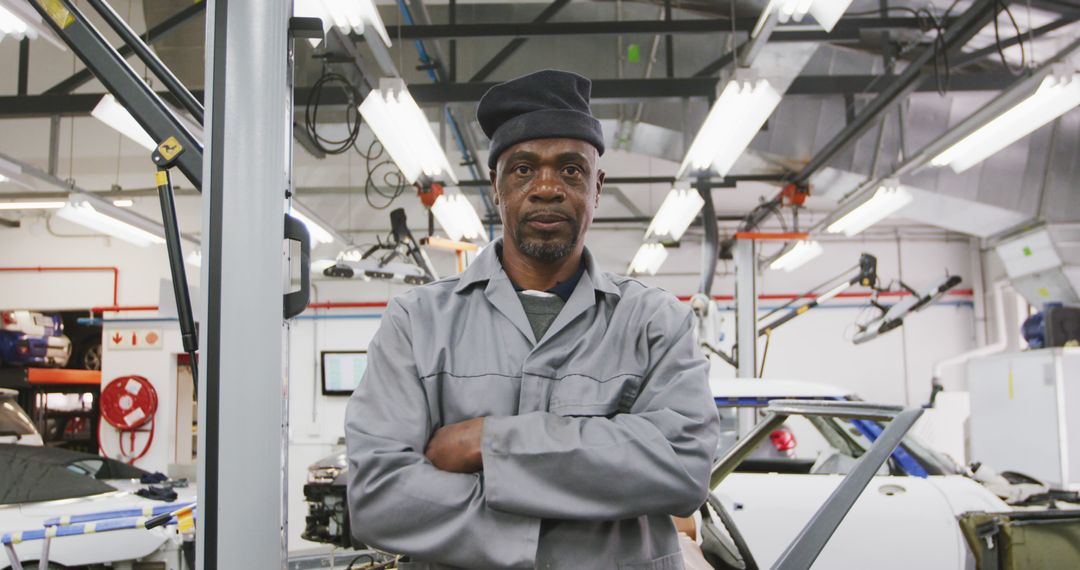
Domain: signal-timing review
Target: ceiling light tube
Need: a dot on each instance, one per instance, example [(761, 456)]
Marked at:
[(100, 216), (20, 20), (117, 117), (12, 25), (457, 217), (348, 16), (648, 259), (887, 200), (1055, 96), (826, 12), (47, 205), (738, 114), (404, 131), (123, 203), (804, 251), (678, 210)]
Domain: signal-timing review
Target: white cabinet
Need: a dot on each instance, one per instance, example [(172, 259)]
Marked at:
[(1025, 413)]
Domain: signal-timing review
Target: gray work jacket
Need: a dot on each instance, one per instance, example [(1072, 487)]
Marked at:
[(594, 435)]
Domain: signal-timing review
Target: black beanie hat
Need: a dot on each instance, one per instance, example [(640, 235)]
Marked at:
[(541, 105)]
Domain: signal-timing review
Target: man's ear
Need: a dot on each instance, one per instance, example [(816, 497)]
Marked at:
[(494, 191), (599, 185)]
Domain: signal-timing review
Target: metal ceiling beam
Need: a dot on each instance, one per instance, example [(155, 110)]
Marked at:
[(156, 33), (846, 29), (978, 54), (605, 91), (516, 43), (962, 29)]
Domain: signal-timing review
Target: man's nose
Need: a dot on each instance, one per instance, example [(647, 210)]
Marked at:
[(547, 187)]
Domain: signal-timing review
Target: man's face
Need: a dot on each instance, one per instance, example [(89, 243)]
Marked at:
[(546, 191)]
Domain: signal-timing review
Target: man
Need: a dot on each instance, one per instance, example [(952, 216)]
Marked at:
[(533, 411)]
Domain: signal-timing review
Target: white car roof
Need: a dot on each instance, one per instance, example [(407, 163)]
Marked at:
[(762, 388), (8, 393)]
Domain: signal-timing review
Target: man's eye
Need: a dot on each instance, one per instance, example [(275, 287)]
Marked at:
[(522, 169), (572, 170)]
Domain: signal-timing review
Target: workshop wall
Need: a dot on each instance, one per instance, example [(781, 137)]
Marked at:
[(894, 368)]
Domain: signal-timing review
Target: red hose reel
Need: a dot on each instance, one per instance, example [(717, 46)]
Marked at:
[(128, 403)]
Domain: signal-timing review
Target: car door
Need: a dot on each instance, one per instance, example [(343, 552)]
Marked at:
[(897, 523)]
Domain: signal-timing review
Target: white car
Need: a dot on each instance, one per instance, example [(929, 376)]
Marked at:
[(15, 425), (43, 483), (907, 517)]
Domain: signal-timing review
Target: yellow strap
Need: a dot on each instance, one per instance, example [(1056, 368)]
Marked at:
[(90, 528), (50, 531), (162, 178), (65, 520), (16, 537), (59, 14)]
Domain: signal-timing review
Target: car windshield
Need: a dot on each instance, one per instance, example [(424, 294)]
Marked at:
[(13, 420), (824, 445)]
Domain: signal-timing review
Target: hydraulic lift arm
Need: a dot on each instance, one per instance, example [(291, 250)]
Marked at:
[(177, 146), (866, 277)]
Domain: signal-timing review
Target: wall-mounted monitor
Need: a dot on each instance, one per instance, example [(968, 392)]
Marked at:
[(342, 371)]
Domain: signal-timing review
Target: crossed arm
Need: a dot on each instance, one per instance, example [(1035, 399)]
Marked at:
[(473, 493)]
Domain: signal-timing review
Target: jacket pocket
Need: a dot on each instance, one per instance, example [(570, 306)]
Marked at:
[(669, 562), (582, 395)]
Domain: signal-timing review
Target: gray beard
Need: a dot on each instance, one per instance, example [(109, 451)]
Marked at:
[(545, 251)]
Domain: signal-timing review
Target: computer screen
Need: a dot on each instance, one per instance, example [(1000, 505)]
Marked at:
[(342, 371)]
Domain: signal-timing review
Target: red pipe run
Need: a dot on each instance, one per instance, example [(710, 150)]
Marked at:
[(114, 270), (382, 304)]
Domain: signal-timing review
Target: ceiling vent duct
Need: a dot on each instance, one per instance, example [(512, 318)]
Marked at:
[(1044, 264)]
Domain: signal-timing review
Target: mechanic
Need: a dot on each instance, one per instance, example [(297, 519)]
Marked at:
[(533, 411)]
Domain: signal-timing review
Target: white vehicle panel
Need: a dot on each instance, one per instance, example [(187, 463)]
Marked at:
[(769, 389), (892, 515), (97, 548)]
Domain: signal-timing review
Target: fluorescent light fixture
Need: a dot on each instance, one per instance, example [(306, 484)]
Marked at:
[(95, 214), (12, 25), (123, 203), (404, 131), (345, 15), (738, 114), (113, 114), (1055, 96), (3, 178), (45, 205), (804, 251), (457, 217), (887, 199), (825, 12), (649, 258), (679, 208), (194, 258), (19, 20), (319, 234)]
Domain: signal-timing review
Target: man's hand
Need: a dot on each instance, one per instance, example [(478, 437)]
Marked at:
[(456, 447)]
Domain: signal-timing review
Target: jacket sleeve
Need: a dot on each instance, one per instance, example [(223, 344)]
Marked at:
[(653, 460), (398, 501)]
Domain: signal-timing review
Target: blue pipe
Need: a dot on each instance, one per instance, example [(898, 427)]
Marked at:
[(454, 128)]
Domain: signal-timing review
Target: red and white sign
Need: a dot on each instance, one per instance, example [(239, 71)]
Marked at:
[(133, 339)]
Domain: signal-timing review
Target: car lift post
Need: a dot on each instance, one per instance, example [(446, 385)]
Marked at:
[(746, 322), (243, 396)]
